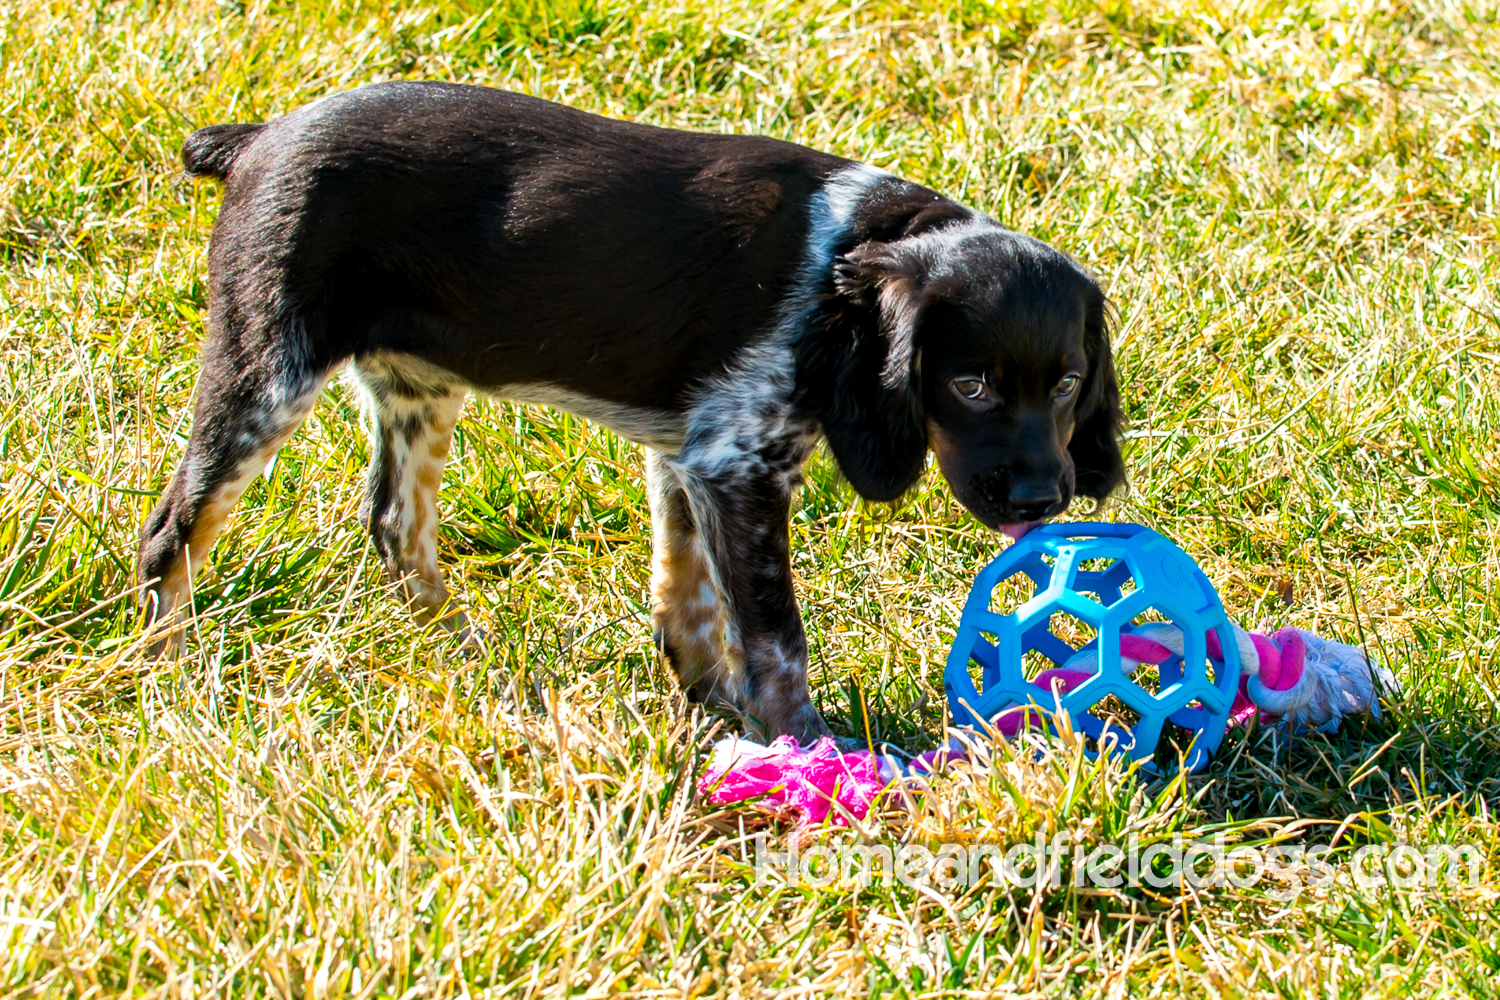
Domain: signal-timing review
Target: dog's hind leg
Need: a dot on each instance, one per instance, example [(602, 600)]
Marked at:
[(687, 610), (248, 404), (412, 408)]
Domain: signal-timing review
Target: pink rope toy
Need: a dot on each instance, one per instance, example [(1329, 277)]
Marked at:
[(1291, 677), (797, 784)]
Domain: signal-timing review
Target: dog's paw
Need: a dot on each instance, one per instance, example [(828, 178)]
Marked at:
[(802, 722)]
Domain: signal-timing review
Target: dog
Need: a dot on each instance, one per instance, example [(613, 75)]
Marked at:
[(724, 300)]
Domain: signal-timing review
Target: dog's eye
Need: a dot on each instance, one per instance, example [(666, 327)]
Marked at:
[(973, 389), (1066, 386)]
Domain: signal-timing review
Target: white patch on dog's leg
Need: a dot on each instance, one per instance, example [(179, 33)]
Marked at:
[(428, 454), (686, 609), (411, 437)]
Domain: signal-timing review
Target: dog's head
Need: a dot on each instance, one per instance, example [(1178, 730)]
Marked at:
[(990, 348)]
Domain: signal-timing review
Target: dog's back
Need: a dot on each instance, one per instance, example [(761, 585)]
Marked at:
[(520, 241)]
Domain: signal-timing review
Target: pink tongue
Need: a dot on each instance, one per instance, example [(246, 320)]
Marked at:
[(1015, 531)]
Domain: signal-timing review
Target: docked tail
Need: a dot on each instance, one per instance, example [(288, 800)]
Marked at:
[(211, 151)]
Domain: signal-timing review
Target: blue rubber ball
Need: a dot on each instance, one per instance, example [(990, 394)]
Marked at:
[(1110, 579)]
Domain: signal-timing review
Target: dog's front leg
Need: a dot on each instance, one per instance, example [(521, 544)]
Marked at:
[(741, 514)]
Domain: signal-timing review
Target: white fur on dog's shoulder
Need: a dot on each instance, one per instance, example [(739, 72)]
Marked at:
[(749, 407)]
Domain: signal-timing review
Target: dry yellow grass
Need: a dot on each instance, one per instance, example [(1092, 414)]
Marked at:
[(1293, 206)]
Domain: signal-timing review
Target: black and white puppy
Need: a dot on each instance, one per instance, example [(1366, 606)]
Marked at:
[(723, 300)]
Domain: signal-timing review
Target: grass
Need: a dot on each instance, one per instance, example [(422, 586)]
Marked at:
[(1293, 206)]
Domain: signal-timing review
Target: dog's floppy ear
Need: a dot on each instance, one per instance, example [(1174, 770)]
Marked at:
[(1098, 466), (860, 368)]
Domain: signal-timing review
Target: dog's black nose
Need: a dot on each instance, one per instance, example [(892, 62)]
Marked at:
[(1037, 503)]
